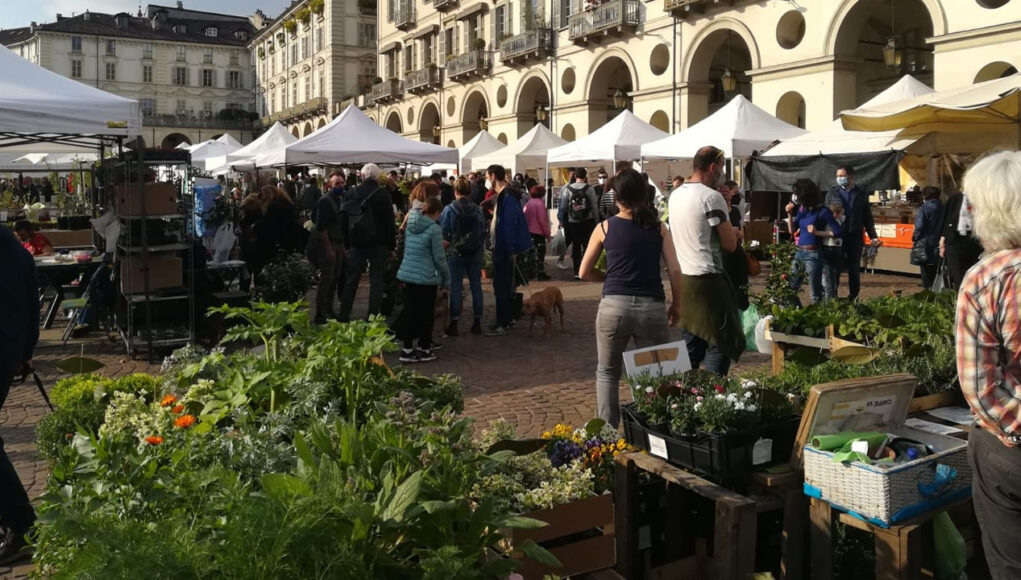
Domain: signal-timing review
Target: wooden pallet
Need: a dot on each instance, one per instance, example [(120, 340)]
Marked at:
[(783, 342)]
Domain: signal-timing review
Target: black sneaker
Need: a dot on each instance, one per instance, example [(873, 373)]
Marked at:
[(14, 548), (477, 327), (408, 355), (451, 329), (497, 331), (425, 355), (436, 346)]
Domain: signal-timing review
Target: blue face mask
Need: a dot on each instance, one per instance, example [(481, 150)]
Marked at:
[(338, 191), (842, 181)]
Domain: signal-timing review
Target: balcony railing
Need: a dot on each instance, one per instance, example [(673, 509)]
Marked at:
[(189, 122), (695, 8), (310, 108), (469, 64), (609, 17), (531, 44), (405, 16), (442, 5), (386, 90), (422, 79)]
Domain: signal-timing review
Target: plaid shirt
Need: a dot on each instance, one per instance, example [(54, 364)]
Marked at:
[(989, 343)]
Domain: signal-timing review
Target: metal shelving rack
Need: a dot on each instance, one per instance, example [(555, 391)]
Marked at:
[(149, 319)]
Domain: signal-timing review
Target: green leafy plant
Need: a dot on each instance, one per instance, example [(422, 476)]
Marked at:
[(285, 279), (779, 293)]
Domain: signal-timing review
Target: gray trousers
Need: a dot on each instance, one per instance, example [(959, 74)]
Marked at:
[(620, 319)]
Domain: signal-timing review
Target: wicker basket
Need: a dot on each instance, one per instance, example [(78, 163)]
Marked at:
[(880, 495)]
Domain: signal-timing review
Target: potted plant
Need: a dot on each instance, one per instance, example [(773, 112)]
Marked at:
[(479, 44), (291, 26), (281, 37), (262, 52), (304, 15), (317, 6)]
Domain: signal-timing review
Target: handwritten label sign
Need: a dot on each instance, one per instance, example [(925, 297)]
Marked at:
[(762, 451), (657, 446)]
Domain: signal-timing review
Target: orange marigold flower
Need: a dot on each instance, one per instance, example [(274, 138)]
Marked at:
[(153, 440), (168, 400), (184, 421), (177, 409)]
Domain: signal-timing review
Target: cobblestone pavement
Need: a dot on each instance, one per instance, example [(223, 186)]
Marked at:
[(532, 382)]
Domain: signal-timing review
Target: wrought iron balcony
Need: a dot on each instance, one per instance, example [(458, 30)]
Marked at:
[(469, 64), (694, 8), (187, 121), (444, 5), (423, 79), (603, 18), (386, 90), (405, 16), (532, 44)]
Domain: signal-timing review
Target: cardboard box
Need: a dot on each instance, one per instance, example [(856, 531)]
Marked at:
[(68, 238), (160, 199), (164, 272)]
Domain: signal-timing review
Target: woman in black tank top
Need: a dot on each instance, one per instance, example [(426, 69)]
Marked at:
[(633, 299)]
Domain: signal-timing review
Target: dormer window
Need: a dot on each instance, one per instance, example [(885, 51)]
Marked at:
[(241, 35), (211, 31), (180, 29)]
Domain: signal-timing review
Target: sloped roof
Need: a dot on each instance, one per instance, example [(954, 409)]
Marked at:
[(97, 23)]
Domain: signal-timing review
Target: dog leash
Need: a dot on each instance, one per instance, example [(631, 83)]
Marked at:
[(39, 385)]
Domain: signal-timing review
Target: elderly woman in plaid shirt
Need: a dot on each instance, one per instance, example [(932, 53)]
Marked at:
[(989, 357)]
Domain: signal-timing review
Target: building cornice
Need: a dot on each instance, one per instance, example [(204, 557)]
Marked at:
[(820, 64), (975, 33)]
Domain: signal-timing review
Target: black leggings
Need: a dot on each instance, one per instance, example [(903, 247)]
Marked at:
[(419, 314), (539, 253)]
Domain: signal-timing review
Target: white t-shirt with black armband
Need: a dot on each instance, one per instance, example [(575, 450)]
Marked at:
[(695, 211)]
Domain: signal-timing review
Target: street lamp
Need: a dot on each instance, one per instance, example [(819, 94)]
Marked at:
[(541, 113), (892, 54), (619, 99), (483, 123), (729, 81)]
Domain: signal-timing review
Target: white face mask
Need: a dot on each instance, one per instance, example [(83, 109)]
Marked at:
[(602, 180), (489, 184)]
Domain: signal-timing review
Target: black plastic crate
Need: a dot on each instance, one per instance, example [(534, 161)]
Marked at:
[(723, 458)]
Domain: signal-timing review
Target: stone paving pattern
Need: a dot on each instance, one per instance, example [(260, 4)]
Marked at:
[(532, 382)]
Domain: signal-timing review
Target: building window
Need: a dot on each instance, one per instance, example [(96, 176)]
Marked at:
[(241, 35), (283, 59), (391, 10), (76, 44), (111, 71), (146, 73), (294, 53), (366, 34), (322, 86), (319, 38), (283, 95), (565, 12), (211, 31), (234, 58), (308, 87), (304, 47), (148, 108), (294, 93), (207, 56), (181, 110), (208, 76), (182, 53), (76, 69), (180, 76), (272, 102), (499, 24), (207, 109), (147, 50), (234, 80), (111, 48)]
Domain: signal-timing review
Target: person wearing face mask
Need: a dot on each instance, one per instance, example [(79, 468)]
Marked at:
[(607, 197), (326, 247), (857, 220), (702, 233), (577, 213)]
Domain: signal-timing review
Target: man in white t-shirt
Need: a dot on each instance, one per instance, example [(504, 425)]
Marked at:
[(701, 232)]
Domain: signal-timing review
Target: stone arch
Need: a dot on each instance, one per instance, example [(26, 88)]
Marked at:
[(934, 7), (475, 107), (532, 90), (995, 70), (696, 49), (720, 52), (172, 140), (612, 73), (322, 123), (307, 130), (427, 120), (660, 120), (393, 122), (295, 132), (791, 108)]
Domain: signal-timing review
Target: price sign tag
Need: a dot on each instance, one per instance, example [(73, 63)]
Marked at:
[(657, 446), (762, 451)]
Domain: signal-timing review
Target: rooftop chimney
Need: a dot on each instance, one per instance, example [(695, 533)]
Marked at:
[(180, 5), (59, 16), (86, 16)]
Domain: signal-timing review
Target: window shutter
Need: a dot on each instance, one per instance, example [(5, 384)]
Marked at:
[(508, 27), (493, 17), (443, 48), (556, 13)]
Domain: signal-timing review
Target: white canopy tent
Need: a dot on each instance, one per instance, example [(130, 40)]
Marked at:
[(354, 138), (48, 161), (44, 112), (834, 139), (209, 153), (619, 140), (266, 151), (482, 144), (738, 128), (528, 152)]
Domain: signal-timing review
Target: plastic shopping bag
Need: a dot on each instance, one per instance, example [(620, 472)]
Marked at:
[(761, 344), (223, 242), (558, 247), (950, 552), (749, 320)]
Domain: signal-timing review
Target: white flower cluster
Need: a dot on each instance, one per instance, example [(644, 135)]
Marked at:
[(565, 484), (130, 415)]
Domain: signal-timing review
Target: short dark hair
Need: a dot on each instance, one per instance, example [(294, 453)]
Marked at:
[(930, 192), (706, 157), (497, 171), (537, 191), (807, 192), (432, 205), (847, 169), (337, 172), (437, 177), (24, 225), (730, 183), (581, 173)]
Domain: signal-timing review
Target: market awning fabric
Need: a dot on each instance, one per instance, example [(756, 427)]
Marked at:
[(266, 151), (619, 140), (482, 144), (354, 138), (738, 128), (528, 152), (873, 171)]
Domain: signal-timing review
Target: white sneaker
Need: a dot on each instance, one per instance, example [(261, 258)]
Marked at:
[(561, 265)]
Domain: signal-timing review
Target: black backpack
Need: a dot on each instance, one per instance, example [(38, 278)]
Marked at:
[(581, 205), (361, 224), (468, 235)]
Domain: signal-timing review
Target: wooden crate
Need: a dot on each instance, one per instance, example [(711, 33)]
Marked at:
[(781, 342), (580, 534)]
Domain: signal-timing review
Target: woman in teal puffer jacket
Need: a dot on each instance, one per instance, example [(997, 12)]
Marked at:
[(424, 271)]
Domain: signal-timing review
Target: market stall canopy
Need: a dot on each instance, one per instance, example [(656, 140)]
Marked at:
[(835, 139), (528, 152), (228, 139), (42, 111), (619, 140), (354, 138), (482, 144), (213, 149), (266, 151), (738, 128)]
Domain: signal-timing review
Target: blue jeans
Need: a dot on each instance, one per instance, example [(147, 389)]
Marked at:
[(811, 261), (700, 350), (620, 319), (459, 265), (833, 263), (503, 288)]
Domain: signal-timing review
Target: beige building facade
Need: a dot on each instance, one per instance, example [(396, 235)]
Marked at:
[(449, 67), (313, 60)]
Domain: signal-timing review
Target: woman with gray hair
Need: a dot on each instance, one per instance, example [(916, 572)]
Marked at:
[(989, 357)]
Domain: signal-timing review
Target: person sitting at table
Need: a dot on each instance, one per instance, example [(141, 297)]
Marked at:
[(36, 243)]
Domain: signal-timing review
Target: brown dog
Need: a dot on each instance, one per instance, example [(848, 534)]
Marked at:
[(545, 303)]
